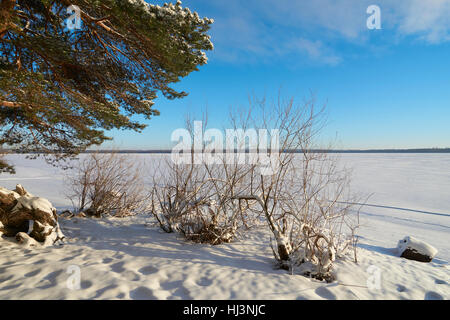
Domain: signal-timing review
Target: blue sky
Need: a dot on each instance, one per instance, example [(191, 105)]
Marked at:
[(387, 88)]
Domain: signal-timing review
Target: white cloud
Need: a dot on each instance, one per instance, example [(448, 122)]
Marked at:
[(429, 20), (242, 32), (263, 29), (344, 18), (315, 50)]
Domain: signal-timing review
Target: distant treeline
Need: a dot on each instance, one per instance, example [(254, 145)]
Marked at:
[(423, 150), (162, 151)]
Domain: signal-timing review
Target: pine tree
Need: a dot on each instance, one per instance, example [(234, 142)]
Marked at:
[(60, 88)]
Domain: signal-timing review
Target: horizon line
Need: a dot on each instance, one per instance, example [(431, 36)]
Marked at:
[(381, 150)]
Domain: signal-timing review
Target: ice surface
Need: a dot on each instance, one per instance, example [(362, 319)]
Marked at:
[(131, 259)]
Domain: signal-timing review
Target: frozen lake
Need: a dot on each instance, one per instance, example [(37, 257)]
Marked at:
[(411, 181), (409, 193), (129, 259)]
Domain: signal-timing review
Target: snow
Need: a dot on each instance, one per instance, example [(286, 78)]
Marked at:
[(31, 203), (131, 258), (26, 241), (6, 192)]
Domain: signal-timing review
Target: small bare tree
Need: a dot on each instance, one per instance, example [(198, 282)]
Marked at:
[(107, 184), (197, 201), (304, 199), (198, 198)]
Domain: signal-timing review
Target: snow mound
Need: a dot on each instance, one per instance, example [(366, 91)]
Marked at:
[(415, 249), (34, 203)]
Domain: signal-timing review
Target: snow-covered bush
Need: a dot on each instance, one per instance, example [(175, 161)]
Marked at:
[(4, 165), (107, 184), (196, 200), (305, 201), (199, 199)]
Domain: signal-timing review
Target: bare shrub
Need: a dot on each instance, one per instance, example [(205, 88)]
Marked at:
[(198, 199), (305, 201), (4, 165), (107, 184)]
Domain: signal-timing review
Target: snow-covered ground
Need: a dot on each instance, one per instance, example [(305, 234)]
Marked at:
[(131, 259)]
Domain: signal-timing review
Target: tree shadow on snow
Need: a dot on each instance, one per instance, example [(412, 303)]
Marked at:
[(142, 240), (382, 250)]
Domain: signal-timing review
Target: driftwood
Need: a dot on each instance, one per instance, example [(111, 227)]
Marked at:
[(22, 213)]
